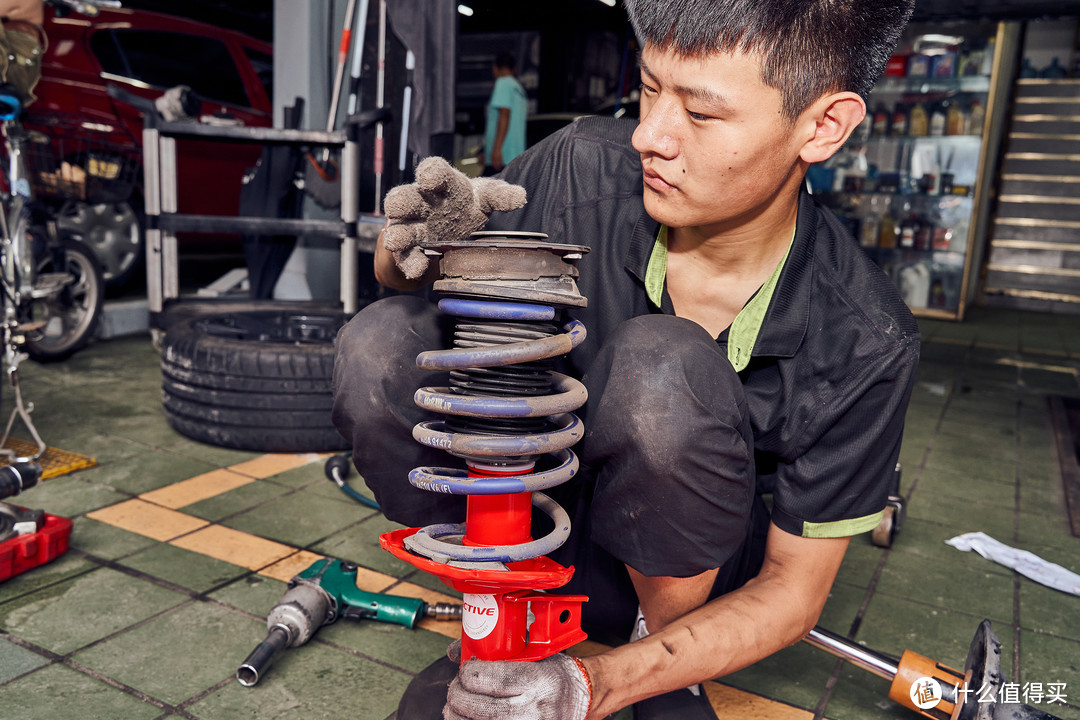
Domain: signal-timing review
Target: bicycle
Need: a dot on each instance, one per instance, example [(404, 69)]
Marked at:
[(51, 287)]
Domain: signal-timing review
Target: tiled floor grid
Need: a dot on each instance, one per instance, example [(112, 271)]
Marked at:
[(179, 549)]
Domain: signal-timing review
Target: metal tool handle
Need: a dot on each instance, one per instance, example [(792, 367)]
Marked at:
[(260, 658), (18, 477)]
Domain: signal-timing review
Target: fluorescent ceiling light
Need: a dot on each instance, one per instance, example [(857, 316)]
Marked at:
[(609, 3), (465, 10)]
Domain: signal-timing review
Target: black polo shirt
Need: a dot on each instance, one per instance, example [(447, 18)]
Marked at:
[(830, 369)]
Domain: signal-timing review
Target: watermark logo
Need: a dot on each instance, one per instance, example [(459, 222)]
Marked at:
[(926, 693)]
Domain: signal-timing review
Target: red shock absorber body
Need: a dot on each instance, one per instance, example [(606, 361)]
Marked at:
[(492, 559)]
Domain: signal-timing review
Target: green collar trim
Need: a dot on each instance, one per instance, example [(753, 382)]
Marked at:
[(742, 335), (656, 272)]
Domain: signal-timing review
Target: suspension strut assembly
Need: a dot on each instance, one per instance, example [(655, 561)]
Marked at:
[(510, 418)]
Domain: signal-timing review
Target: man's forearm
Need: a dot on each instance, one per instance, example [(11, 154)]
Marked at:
[(727, 634)]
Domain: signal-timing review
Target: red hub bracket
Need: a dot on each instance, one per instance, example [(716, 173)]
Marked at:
[(26, 552), (495, 622)]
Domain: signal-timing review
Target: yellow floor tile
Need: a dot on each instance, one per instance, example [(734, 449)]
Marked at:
[(729, 702), (449, 628), (200, 487), (372, 581), (233, 546), (291, 566), (267, 465), (143, 518)]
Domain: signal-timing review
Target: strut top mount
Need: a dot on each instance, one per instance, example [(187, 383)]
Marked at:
[(512, 266)]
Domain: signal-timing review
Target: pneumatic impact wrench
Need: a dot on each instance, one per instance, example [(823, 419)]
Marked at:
[(318, 596)]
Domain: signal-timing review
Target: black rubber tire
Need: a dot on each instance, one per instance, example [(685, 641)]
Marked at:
[(75, 310), (257, 380)]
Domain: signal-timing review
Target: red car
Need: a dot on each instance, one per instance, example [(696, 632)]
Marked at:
[(147, 53)]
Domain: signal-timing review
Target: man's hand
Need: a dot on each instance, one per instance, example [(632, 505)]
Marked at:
[(442, 205), (555, 688)]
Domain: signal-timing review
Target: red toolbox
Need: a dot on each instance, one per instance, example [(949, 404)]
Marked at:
[(26, 552)]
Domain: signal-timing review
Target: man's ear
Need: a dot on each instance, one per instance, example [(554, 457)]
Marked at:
[(835, 117)]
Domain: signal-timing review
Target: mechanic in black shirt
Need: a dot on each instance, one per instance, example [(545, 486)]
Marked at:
[(740, 344)]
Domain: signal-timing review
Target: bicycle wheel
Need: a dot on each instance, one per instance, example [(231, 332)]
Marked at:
[(65, 318)]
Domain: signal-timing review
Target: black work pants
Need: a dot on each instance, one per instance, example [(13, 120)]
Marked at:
[(667, 479)]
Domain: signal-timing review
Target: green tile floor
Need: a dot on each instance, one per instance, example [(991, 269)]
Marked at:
[(125, 627)]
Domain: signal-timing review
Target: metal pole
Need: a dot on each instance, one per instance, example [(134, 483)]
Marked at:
[(379, 102), (350, 212), (170, 261), (152, 207), (342, 60), (881, 665), (358, 60)]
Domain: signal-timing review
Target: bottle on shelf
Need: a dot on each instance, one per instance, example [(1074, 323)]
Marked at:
[(988, 58), (870, 229), (937, 293), (914, 284), (862, 133), (976, 118), (1053, 70), (918, 65), (955, 120), (909, 226), (918, 121), (887, 235), (924, 234), (942, 239), (971, 59), (880, 123), (937, 118), (899, 123)]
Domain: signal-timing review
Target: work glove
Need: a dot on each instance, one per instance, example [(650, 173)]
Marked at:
[(555, 688), (443, 205)]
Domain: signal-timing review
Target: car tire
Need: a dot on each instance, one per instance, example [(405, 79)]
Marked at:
[(70, 317), (113, 230), (257, 380)]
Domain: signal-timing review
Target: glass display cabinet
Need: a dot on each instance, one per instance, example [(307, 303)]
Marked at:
[(913, 182)]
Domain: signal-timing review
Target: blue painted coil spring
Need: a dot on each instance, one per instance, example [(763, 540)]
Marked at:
[(505, 408)]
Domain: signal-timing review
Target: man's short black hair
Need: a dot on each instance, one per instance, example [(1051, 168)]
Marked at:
[(808, 48), (505, 60)]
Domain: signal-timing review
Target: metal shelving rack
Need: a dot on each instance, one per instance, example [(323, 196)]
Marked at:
[(163, 221)]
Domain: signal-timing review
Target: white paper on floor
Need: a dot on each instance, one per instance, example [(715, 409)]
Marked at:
[(1027, 564)]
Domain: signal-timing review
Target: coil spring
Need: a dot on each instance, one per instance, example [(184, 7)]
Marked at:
[(506, 407)]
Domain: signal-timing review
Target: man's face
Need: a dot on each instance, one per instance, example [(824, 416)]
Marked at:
[(715, 148)]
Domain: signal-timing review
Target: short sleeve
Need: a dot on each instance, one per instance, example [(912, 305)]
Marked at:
[(840, 484), (502, 96)]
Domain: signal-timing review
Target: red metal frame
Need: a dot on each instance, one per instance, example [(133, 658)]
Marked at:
[(495, 621)]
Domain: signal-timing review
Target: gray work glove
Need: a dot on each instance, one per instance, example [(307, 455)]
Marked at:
[(555, 688), (443, 205)]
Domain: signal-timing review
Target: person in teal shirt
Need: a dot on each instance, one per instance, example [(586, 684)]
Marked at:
[(504, 133)]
